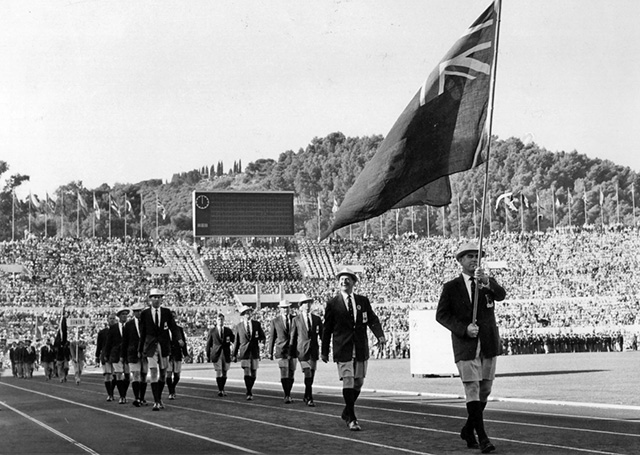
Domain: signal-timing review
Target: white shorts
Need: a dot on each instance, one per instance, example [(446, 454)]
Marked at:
[(250, 363), (478, 369), (352, 369)]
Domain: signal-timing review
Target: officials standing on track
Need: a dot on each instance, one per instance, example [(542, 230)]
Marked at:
[(248, 335), (476, 343), (305, 333), (346, 318), (218, 349), (156, 323)]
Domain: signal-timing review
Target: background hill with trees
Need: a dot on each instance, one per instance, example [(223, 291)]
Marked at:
[(540, 190)]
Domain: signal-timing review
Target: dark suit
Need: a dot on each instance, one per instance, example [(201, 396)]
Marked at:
[(247, 344), (101, 354), (219, 344), (304, 342), (113, 346), (455, 312), (130, 342), (347, 334), (153, 336), (179, 352), (279, 337)]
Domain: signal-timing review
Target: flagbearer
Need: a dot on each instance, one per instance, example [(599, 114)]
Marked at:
[(476, 343)]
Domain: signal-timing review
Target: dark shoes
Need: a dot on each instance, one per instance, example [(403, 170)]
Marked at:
[(136, 403), (467, 434), (486, 446)]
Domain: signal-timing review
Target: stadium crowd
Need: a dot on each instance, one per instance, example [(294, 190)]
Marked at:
[(567, 291)]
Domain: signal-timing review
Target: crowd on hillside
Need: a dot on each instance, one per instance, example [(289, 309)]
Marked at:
[(559, 281)]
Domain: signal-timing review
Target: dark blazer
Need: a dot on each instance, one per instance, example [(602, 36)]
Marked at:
[(152, 336), (101, 342), (304, 342), (219, 344), (113, 346), (247, 344), (179, 352), (279, 337), (455, 312), (47, 354), (347, 334), (130, 342)]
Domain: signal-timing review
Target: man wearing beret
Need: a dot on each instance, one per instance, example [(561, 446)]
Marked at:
[(476, 343), (346, 318)]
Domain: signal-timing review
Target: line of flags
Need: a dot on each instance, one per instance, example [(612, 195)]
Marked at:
[(50, 205)]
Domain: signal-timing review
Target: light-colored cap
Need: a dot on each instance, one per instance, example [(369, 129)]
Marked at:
[(155, 291), (284, 304), (122, 310), (347, 271), (244, 308), (305, 299), (467, 247)]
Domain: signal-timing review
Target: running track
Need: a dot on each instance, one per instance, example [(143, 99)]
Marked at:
[(62, 418)]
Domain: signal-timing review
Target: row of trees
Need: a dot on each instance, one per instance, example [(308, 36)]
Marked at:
[(536, 189)]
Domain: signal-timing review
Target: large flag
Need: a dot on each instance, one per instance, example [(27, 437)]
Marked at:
[(35, 202), (442, 131), (160, 208), (51, 204)]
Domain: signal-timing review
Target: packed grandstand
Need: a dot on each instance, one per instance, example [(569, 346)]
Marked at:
[(567, 291)]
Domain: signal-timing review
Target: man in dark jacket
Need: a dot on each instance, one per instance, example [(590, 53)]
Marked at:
[(137, 366), (346, 318), (178, 353), (101, 357), (476, 343), (48, 359), (248, 335), (113, 350), (307, 329), (157, 329), (280, 339), (218, 351)]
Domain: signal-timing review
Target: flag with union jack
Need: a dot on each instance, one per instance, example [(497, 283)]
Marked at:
[(443, 131)]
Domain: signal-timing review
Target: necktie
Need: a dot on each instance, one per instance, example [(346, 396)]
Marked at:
[(473, 288), (121, 328), (157, 317), (286, 324), (350, 305), (308, 322), (248, 328)]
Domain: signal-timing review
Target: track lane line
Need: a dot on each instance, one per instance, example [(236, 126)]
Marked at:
[(51, 429), (106, 411)]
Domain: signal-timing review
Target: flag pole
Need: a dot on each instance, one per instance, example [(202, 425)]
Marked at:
[(485, 190)]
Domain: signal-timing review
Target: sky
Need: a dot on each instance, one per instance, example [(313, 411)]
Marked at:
[(124, 91)]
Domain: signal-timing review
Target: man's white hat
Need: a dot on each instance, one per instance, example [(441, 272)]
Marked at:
[(155, 291), (284, 304)]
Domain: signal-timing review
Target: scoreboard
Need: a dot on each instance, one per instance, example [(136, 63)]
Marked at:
[(243, 213)]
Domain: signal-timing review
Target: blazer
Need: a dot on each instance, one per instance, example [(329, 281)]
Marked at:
[(304, 342), (153, 337), (47, 354), (130, 341), (279, 337), (179, 352), (346, 333), (101, 354), (455, 312), (247, 344), (219, 344), (113, 346)]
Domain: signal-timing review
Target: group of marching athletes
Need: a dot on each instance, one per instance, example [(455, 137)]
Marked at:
[(149, 344)]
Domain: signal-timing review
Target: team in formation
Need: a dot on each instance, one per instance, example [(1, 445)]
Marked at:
[(150, 347)]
